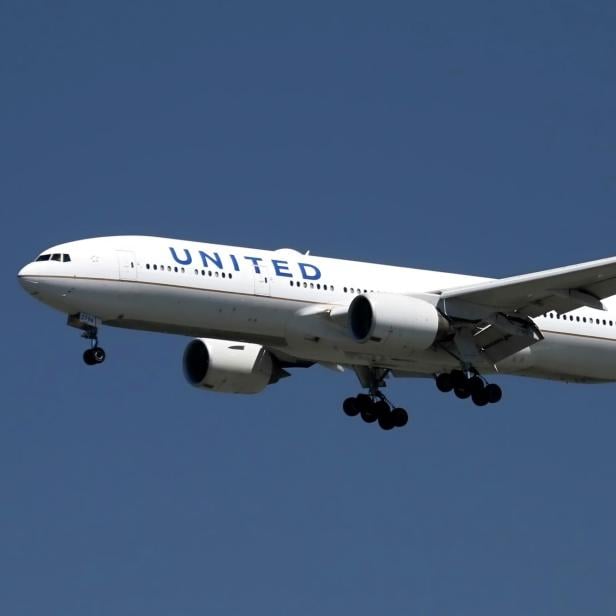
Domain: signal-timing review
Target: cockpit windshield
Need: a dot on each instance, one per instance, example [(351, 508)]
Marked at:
[(56, 256)]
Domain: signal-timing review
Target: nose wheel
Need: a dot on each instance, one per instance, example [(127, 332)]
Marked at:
[(94, 355)]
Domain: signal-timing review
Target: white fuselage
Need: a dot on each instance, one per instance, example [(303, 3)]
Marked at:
[(267, 297)]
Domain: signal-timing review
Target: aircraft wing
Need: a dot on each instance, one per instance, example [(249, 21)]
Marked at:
[(494, 319), (562, 289)]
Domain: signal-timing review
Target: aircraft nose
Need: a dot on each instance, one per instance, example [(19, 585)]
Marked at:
[(26, 278)]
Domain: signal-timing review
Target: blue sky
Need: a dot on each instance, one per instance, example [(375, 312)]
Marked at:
[(472, 137)]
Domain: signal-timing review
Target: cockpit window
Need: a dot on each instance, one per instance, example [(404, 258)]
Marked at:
[(54, 257)]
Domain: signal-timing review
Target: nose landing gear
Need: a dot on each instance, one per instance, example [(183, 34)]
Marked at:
[(88, 324), (95, 354)]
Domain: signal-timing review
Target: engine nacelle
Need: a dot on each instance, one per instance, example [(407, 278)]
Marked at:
[(397, 322), (230, 367)]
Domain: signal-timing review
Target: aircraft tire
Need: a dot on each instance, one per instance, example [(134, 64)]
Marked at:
[(444, 382), (494, 393), (349, 406), (462, 392), (369, 416), (400, 417), (480, 397), (386, 421)]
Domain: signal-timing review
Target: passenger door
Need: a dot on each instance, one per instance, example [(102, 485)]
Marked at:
[(127, 265)]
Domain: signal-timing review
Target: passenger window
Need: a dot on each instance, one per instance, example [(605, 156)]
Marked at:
[(147, 266), (155, 266), (230, 275), (223, 275), (168, 268)]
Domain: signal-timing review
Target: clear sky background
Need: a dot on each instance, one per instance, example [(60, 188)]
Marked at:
[(471, 137)]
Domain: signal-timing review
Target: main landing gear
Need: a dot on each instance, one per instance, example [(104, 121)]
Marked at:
[(95, 354), (376, 407), (469, 385)]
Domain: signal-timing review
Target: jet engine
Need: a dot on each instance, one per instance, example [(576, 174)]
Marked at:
[(230, 367), (397, 322)]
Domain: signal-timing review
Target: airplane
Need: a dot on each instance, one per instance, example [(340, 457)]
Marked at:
[(256, 314)]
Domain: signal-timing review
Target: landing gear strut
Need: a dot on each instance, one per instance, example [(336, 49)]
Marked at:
[(467, 385), (95, 354)]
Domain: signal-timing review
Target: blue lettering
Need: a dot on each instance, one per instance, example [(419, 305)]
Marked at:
[(236, 265), (306, 275), (186, 261), (216, 260), (255, 262), (281, 268)]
